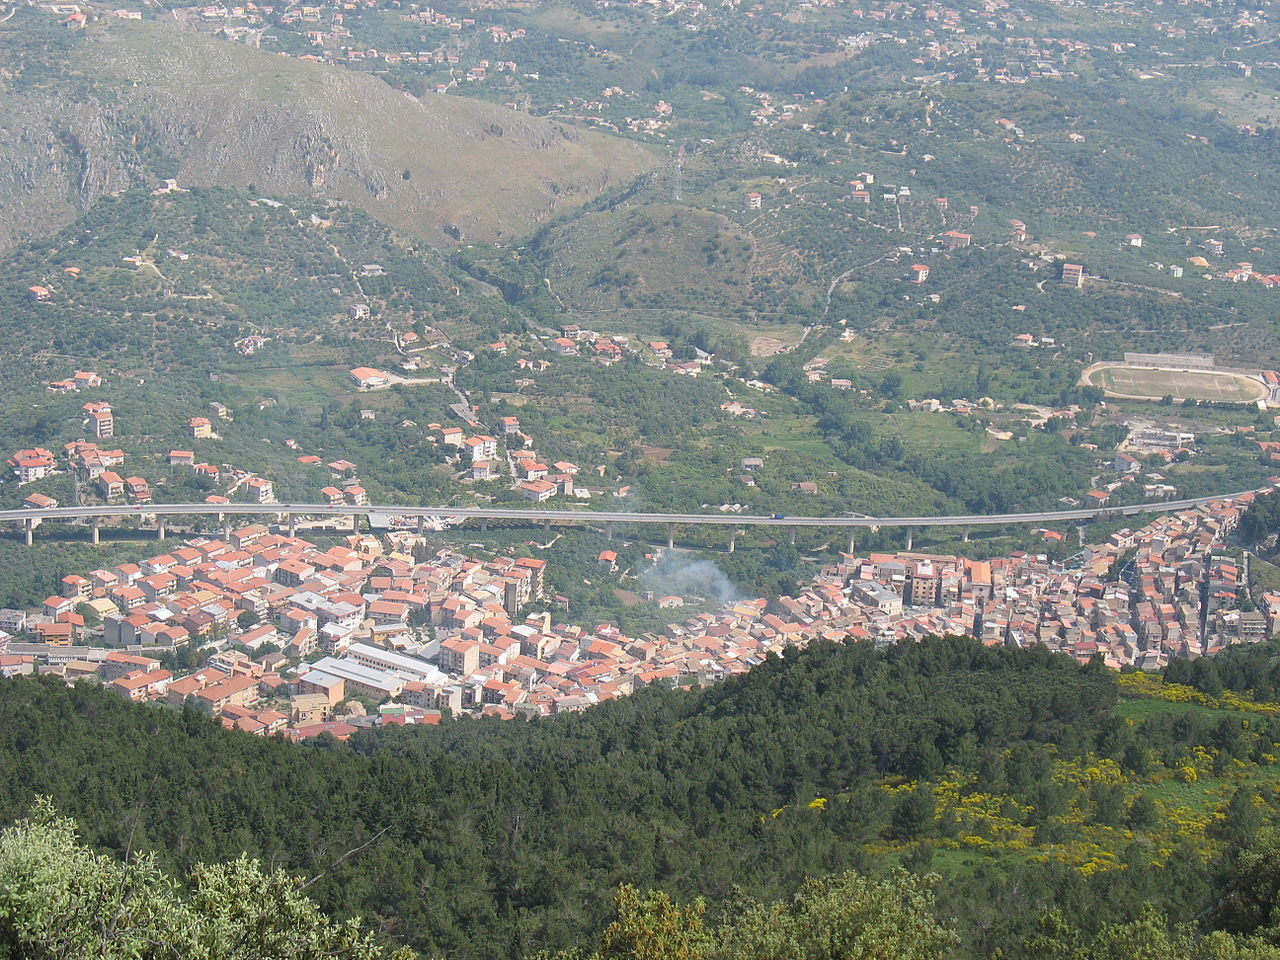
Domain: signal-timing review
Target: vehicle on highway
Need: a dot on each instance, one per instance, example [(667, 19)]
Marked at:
[(778, 516)]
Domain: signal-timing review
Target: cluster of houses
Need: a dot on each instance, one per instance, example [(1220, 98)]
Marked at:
[(959, 405), (1241, 273), (80, 380), (531, 476), (89, 461), (325, 27), (1028, 340), (1178, 597), (1010, 59), (293, 629), (345, 486), (96, 464), (771, 109), (99, 418), (577, 341), (1125, 472), (613, 101), (815, 371), (305, 639)]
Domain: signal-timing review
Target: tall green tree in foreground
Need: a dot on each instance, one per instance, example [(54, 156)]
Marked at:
[(843, 917), (59, 900)]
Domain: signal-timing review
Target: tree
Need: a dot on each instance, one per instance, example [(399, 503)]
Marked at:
[(1052, 938), (1136, 760), (91, 616), (843, 917), (1147, 938), (60, 899), (913, 813), (651, 927), (1252, 885), (1108, 803), (673, 789), (1142, 813), (1241, 820)]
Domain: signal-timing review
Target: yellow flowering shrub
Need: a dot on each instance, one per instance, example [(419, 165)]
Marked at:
[(1153, 686)]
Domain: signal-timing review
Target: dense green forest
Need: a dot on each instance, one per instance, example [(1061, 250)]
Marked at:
[(1037, 788)]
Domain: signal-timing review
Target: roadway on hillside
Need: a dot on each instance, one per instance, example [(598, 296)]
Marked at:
[(224, 510)]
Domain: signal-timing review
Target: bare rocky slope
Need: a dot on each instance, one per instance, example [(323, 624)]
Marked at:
[(128, 103)]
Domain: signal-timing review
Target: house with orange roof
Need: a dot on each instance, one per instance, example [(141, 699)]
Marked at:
[(138, 489), (238, 690), (35, 463), (538, 490), (142, 685), (261, 489), (367, 378), (110, 485)]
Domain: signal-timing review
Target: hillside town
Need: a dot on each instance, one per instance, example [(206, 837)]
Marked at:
[(287, 636)]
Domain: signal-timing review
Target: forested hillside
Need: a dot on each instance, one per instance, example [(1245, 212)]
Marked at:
[(166, 284), (1018, 775)]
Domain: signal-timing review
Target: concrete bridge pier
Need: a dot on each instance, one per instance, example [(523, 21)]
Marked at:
[(910, 536), (95, 532), (608, 529), (28, 531), (422, 525), (966, 534), (160, 530), (792, 536), (671, 536), (484, 525), (293, 525), (852, 541), (733, 537)]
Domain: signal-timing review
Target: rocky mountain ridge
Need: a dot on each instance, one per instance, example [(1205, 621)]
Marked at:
[(128, 104)]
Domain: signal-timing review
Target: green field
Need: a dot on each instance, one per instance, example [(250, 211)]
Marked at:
[(1141, 382)]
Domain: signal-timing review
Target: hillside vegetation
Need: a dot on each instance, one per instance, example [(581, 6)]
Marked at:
[(1078, 173), (86, 115), (664, 255), (164, 284), (1016, 774)]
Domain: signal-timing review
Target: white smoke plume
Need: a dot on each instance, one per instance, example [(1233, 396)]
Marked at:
[(681, 574)]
